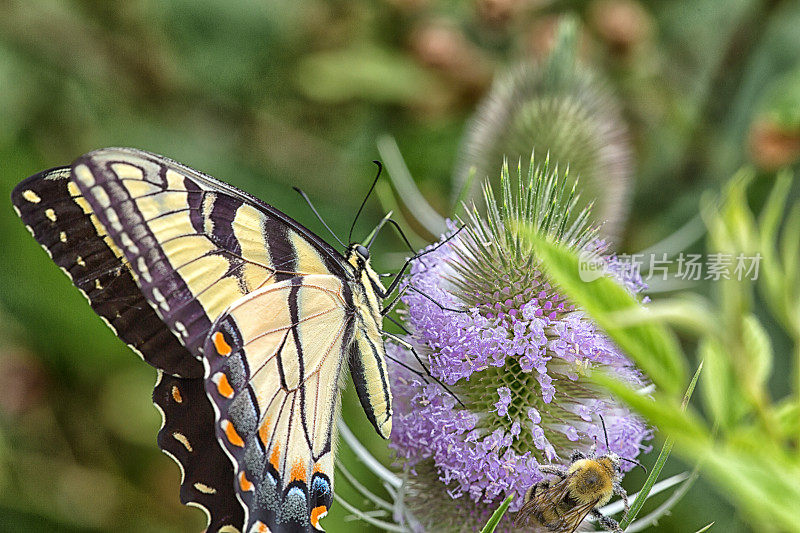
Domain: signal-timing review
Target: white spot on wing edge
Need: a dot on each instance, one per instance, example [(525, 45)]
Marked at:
[(141, 265), (128, 243), (159, 298)]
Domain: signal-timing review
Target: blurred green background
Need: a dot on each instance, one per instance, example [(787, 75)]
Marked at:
[(266, 95)]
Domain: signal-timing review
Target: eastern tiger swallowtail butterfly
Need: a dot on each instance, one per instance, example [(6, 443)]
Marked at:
[(248, 316)]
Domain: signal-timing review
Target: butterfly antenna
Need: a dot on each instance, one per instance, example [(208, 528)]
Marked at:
[(308, 201), (374, 182), (399, 230)]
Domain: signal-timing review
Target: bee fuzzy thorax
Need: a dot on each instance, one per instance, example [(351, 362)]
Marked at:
[(592, 480)]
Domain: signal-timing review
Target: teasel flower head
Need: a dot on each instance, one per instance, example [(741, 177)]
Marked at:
[(560, 107), (515, 360)]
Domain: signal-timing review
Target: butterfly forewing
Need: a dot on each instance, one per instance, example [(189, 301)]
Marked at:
[(60, 219), (177, 236)]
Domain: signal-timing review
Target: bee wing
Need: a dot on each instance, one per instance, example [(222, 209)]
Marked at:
[(573, 518), (540, 502), (540, 509)]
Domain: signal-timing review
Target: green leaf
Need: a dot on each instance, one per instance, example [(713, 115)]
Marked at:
[(651, 346), (706, 528), (737, 231), (763, 485), (788, 418), (772, 212), (688, 312), (758, 349), (719, 388), (497, 515), (790, 249)]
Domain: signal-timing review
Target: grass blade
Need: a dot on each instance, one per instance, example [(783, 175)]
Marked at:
[(497, 515)]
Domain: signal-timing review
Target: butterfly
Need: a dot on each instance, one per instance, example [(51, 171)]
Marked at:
[(248, 316)]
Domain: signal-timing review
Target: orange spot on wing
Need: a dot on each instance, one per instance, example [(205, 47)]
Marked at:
[(298, 472), (222, 346), (244, 483), (223, 385), (263, 432), (230, 432), (275, 456), (261, 527), (316, 514), (317, 468), (176, 394)]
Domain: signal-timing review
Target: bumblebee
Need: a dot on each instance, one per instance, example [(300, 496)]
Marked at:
[(560, 505)]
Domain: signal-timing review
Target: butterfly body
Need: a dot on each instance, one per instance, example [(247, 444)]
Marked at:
[(248, 316)]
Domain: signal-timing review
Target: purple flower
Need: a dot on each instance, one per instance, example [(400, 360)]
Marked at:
[(501, 407), (516, 359)]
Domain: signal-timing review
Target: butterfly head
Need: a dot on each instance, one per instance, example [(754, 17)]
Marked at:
[(358, 256)]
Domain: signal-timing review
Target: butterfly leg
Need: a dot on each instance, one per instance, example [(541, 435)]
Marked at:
[(389, 307), (437, 304), (396, 280), (608, 523), (407, 345), (385, 311)]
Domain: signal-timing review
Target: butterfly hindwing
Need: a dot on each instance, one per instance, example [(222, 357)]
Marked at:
[(60, 219), (273, 367), (187, 435)]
